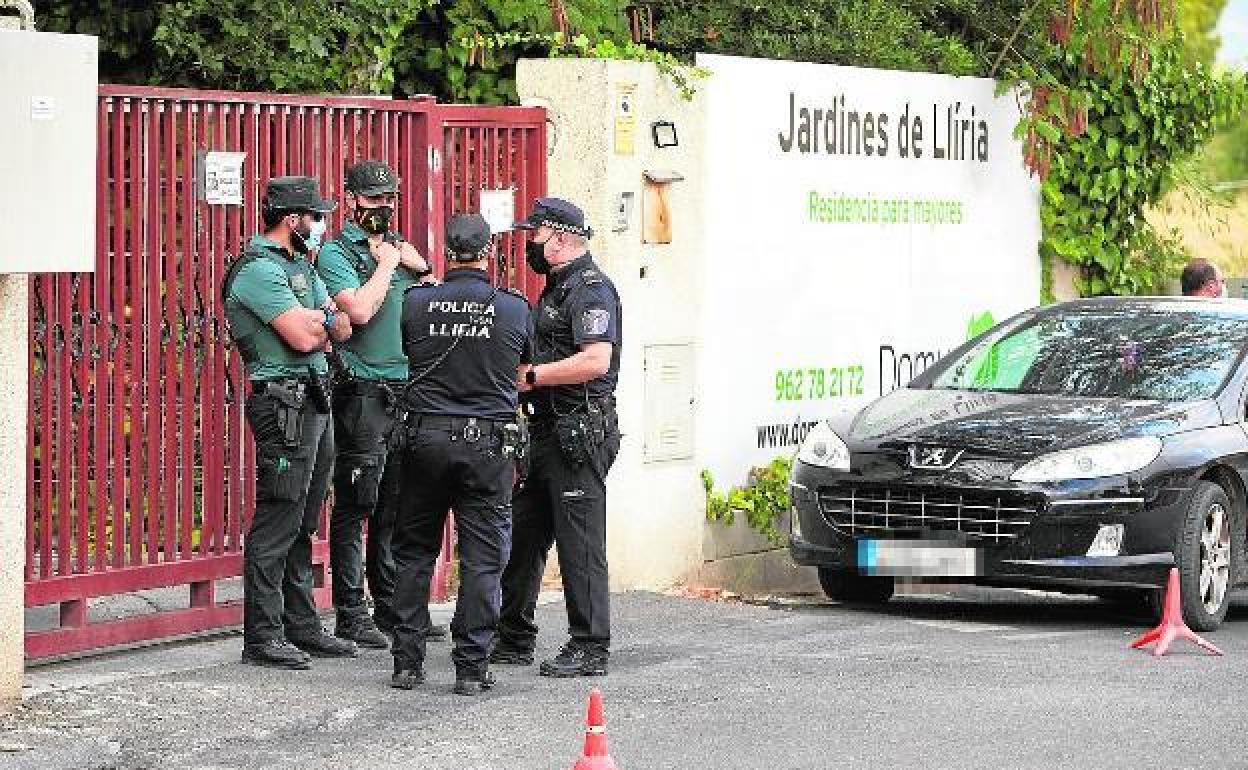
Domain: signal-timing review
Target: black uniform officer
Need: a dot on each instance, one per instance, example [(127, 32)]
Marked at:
[(467, 344), (569, 396), (282, 320)]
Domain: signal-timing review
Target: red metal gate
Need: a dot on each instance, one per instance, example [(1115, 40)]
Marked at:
[(140, 472)]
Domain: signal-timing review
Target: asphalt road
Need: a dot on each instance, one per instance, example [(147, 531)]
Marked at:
[(981, 679)]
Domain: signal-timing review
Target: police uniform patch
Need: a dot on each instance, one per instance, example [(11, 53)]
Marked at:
[(299, 282), (595, 321)]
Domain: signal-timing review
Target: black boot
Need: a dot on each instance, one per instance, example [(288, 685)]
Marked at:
[(576, 660), (323, 645), (277, 653), (506, 655), (474, 681), (363, 631), (406, 676)]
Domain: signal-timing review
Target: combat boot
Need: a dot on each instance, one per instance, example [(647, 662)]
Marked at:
[(406, 676), (323, 645), (276, 653), (473, 681), (575, 660)]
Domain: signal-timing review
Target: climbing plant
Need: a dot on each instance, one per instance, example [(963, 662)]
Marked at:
[(763, 499), (1114, 111)]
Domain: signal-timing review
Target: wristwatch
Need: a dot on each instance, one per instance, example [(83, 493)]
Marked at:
[(328, 323), (530, 377)]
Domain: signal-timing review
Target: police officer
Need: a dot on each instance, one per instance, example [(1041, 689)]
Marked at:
[(467, 344), (568, 394), (282, 320), (366, 270)]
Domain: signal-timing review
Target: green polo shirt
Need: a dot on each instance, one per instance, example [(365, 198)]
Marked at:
[(375, 350), (273, 282)]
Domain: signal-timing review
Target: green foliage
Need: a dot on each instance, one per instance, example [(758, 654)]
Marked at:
[(310, 45), (1147, 112), (469, 48), (124, 27), (957, 37), (1198, 20), (763, 500)]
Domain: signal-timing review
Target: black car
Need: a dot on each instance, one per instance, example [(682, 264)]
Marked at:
[(1087, 446)]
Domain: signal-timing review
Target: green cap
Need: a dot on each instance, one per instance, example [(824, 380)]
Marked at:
[(295, 193), (371, 177)]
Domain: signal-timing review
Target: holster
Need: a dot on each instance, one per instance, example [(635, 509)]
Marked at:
[(287, 416), (515, 444), (581, 434)]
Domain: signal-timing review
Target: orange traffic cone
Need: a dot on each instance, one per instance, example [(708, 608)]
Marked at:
[(1172, 626), (595, 755)]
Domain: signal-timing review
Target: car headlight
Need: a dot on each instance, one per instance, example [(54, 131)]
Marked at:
[(1096, 461), (824, 449)]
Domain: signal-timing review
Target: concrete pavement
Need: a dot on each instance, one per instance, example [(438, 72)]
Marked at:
[(978, 679)]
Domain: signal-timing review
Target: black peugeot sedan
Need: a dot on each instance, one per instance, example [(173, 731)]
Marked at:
[(1087, 447)]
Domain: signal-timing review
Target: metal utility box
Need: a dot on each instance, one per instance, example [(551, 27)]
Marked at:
[(48, 95)]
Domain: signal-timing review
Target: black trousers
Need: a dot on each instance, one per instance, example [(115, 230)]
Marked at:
[(564, 504), (292, 481), (366, 488), (474, 479)]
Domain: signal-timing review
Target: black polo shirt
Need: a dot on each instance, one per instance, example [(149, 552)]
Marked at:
[(464, 341), (579, 305)]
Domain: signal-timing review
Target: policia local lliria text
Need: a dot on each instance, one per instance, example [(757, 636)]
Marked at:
[(412, 398)]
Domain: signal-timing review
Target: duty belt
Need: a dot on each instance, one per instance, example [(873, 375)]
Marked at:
[(471, 428), (382, 387)]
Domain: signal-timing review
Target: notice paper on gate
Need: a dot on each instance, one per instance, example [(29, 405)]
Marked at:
[(918, 558)]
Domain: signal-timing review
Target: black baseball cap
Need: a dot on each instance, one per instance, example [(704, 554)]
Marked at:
[(296, 193), (467, 235), (371, 177), (557, 214)]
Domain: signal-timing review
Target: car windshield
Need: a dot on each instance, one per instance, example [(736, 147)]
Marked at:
[(1153, 354)]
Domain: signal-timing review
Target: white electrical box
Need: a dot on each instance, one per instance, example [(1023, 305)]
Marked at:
[(669, 402), (49, 87)]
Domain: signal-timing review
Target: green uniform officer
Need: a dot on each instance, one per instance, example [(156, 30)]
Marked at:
[(366, 269), (282, 320)]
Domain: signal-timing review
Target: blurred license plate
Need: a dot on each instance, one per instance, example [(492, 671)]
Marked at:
[(917, 558)]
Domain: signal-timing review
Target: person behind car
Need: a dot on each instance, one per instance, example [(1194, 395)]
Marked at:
[(1201, 278)]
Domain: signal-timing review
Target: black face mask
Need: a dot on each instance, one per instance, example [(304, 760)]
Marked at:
[(375, 221), (535, 256)]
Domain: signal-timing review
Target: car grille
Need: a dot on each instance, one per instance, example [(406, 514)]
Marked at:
[(880, 510)]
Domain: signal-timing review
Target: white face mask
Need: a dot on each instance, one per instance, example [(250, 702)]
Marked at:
[(317, 234)]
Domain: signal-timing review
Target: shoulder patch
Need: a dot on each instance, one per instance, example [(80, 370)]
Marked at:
[(595, 322), (591, 276)]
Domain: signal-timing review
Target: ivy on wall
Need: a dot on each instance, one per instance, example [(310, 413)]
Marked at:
[(1115, 114)]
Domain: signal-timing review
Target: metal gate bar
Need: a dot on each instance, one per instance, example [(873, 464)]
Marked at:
[(140, 468)]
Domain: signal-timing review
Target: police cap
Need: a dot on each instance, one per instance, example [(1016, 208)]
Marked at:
[(557, 214), (371, 177), (295, 193), (467, 237)]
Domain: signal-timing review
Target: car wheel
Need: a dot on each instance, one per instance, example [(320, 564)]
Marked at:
[(852, 588), (1204, 554)]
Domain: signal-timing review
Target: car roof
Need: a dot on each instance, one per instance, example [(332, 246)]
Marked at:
[(1234, 308)]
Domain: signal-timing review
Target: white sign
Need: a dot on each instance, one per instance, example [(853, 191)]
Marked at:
[(42, 108), (860, 224), (223, 178), (498, 207)]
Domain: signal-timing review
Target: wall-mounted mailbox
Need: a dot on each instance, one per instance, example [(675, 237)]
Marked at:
[(656, 210)]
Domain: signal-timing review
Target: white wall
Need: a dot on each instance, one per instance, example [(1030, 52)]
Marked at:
[(655, 509), (752, 283)]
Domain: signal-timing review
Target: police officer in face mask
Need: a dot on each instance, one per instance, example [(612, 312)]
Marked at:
[(282, 320), (366, 270), (467, 344), (575, 434)]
